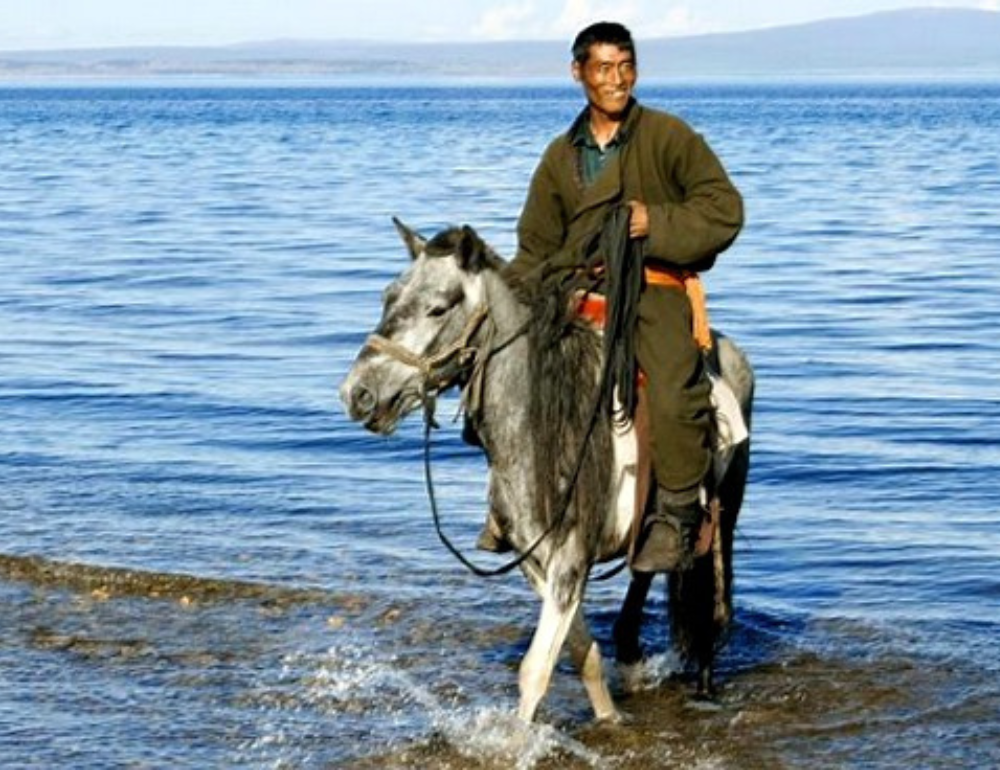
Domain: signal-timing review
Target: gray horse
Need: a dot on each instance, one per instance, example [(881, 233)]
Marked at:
[(529, 374)]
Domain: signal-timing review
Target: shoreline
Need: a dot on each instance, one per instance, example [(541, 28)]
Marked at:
[(107, 582)]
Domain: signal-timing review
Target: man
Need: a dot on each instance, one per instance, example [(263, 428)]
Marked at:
[(687, 211)]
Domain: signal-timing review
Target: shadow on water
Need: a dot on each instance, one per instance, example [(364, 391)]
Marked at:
[(251, 675)]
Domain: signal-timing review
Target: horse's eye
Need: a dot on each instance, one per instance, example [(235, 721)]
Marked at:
[(438, 310)]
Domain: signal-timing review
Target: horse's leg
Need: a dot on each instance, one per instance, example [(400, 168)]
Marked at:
[(692, 615), (706, 641), (540, 660), (628, 651), (587, 659), (561, 592)]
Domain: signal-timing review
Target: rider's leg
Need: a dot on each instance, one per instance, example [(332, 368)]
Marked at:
[(680, 421)]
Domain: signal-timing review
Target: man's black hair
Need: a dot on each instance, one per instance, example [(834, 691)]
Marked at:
[(610, 32)]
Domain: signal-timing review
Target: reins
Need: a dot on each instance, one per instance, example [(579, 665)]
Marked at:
[(443, 368), (429, 401), (471, 402), (439, 372), (623, 267), (429, 424)]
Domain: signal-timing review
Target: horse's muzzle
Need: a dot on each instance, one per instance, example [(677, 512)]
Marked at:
[(360, 402)]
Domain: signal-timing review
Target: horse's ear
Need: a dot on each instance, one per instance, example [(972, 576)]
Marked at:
[(414, 241), (471, 250)]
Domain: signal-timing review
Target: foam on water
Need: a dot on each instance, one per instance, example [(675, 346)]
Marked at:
[(396, 717), (651, 672), (499, 736)]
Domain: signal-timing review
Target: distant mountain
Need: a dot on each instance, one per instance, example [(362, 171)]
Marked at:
[(916, 41), (920, 40)]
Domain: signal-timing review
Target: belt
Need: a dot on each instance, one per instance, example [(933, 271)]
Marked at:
[(593, 306)]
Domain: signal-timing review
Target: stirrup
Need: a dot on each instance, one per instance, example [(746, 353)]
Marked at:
[(672, 537)]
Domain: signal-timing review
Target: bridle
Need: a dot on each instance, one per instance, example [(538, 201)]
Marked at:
[(439, 370), (442, 370)]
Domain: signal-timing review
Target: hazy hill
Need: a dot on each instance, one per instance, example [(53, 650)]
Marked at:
[(916, 41), (923, 39)]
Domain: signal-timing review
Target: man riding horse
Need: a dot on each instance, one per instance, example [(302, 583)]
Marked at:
[(565, 476), (686, 211)]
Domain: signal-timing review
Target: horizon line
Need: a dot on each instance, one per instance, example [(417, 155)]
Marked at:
[(483, 41)]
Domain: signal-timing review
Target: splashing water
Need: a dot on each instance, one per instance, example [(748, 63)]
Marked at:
[(499, 736), (650, 673), (357, 686)]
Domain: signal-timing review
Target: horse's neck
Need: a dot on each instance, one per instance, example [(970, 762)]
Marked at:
[(503, 417), (508, 314)]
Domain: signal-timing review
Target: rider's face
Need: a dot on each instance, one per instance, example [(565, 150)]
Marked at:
[(608, 77)]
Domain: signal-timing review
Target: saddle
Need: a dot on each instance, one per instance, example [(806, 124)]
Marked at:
[(729, 427)]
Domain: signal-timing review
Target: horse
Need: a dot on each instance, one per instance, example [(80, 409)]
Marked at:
[(562, 484)]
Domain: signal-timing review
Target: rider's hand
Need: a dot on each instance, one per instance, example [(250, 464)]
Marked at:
[(638, 223)]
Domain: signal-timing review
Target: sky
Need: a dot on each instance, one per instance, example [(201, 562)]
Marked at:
[(41, 24)]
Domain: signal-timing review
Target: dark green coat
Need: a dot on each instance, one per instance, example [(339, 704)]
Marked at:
[(694, 214), (694, 210)]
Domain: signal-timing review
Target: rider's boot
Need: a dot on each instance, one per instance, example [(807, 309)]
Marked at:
[(670, 532)]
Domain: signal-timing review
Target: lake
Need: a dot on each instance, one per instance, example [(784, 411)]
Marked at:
[(205, 565)]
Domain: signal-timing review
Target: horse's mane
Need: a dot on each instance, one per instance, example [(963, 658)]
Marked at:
[(450, 242), (564, 370)]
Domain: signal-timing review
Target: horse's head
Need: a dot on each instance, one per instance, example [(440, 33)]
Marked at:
[(430, 314)]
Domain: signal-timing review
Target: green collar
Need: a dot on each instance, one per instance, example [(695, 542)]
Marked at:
[(580, 135)]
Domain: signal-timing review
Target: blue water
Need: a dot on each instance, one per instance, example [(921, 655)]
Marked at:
[(187, 275)]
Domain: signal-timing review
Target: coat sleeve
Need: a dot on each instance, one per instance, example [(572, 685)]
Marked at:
[(706, 216), (541, 229)]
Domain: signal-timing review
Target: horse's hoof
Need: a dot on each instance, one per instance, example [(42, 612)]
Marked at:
[(707, 693), (614, 718)]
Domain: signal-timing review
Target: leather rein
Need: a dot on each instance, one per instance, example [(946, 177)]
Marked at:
[(442, 370)]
